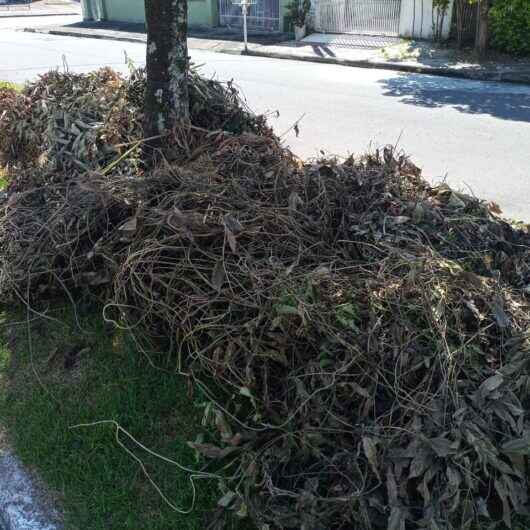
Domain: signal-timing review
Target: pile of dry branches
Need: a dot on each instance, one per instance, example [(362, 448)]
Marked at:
[(362, 336), (64, 138), (82, 122)]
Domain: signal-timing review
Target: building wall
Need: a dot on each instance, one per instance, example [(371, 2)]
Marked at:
[(125, 10), (416, 19), (283, 12), (200, 12)]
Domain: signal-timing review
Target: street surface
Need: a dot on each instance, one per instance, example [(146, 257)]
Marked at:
[(475, 134)]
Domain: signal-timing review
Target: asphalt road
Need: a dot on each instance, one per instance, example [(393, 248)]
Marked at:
[(474, 134)]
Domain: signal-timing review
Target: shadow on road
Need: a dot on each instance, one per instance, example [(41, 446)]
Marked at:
[(507, 102)]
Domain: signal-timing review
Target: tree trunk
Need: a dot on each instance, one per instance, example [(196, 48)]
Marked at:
[(481, 43), (167, 63)]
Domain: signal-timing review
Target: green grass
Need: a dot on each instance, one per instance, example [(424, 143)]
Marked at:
[(8, 84), (3, 180), (101, 488)]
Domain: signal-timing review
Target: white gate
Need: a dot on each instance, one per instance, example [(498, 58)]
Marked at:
[(366, 17), (263, 15)]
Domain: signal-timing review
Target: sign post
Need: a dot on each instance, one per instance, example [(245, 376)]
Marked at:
[(245, 6)]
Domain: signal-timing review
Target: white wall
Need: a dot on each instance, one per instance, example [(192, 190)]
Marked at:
[(93, 9), (416, 19)]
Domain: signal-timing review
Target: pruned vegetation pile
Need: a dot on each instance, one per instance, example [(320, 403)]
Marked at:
[(58, 136), (82, 122), (362, 335)]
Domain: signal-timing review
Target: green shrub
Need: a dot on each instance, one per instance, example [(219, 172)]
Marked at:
[(297, 12), (510, 21)]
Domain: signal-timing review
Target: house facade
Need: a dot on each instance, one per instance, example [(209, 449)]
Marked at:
[(267, 15), (405, 18)]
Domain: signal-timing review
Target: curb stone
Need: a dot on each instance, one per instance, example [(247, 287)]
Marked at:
[(442, 71), (23, 14), (235, 48), (66, 33), (22, 505)]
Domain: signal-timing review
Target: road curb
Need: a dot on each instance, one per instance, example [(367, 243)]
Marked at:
[(67, 33), (35, 14), (474, 75), (21, 505), (229, 50), (463, 73)]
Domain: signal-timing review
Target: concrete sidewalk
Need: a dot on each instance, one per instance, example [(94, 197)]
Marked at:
[(24, 502), (41, 8), (135, 32), (395, 54), (357, 51)]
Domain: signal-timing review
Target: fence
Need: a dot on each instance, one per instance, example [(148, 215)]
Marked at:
[(464, 23), (264, 15), (378, 17)]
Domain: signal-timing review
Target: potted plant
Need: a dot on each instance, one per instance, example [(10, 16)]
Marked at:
[(297, 14)]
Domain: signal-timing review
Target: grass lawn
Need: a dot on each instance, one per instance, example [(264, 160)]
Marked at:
[(8, 84), (3, 181), (77, 377)]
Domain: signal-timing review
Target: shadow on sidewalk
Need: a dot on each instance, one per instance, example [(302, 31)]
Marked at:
[(202, 32)]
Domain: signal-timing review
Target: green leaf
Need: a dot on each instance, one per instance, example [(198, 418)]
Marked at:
[(211, 450), (346, 316), (421, 461), (242, 513), (489, 385), (502, 319), (441, 446), (396, 521), (283, 309), (226, 500), (454, 478), (520, 446), (218, 275), (232, 224), (360, 390), (506, 510), (222, 426), (370, 451), (245, 391), (391, 487)]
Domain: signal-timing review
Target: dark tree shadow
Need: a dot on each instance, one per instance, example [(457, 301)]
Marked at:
[(501, 100), (322, 50)]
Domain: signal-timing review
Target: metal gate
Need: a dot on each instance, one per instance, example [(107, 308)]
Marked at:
[(263, 15), (366, 17)]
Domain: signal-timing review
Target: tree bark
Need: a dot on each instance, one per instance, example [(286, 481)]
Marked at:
[(481, 43), (460, 13), (167, 64)]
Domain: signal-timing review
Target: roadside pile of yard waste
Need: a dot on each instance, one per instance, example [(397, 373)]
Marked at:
[(361, 334)]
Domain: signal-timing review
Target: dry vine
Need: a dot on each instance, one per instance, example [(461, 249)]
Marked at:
[(361, 334)]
